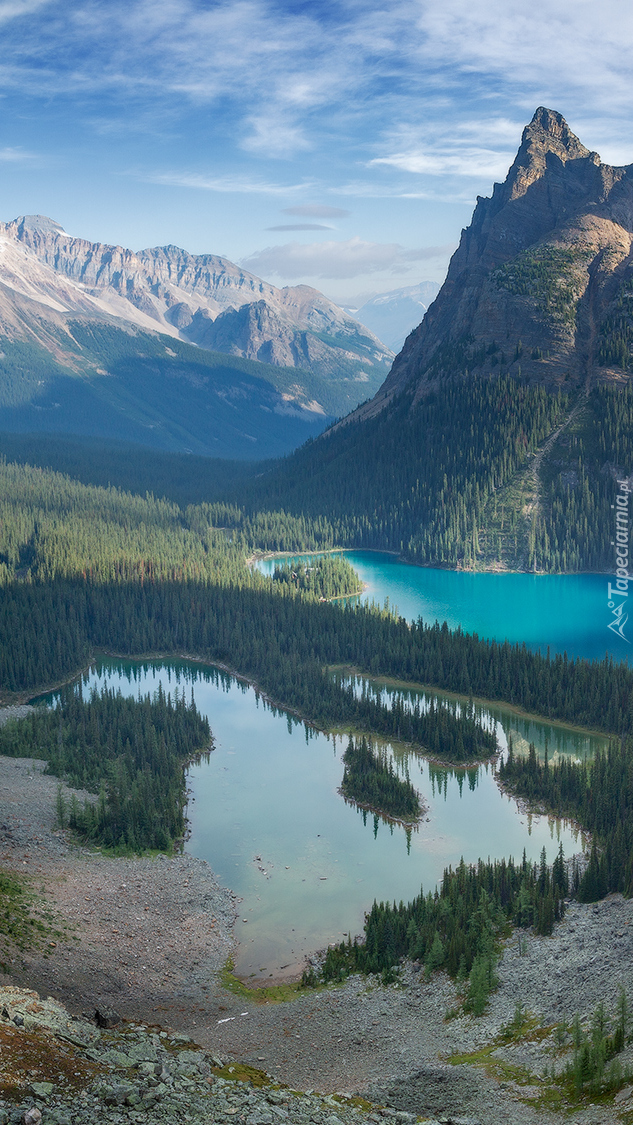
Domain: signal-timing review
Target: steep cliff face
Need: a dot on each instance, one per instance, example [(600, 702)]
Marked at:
[(538, 277), (182, 294)]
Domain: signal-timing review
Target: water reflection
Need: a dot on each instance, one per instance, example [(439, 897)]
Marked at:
[(555, 739), (266, 812)]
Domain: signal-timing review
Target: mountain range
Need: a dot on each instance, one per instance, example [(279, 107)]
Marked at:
[(500, 432), (100, 340)]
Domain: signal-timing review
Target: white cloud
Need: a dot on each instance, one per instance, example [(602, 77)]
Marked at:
[(272, 135), (483, 150), (550, 46), (477, 162), (296, 76), (15, 155), (300, 226), (339, 260), (13, 9)]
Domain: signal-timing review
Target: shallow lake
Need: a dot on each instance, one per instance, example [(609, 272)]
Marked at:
[(567, 612), (266, 813)]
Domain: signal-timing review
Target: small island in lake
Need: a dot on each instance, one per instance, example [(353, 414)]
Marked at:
[(372, 783), (328, 577)]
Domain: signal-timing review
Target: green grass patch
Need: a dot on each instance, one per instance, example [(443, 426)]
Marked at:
[(240, 1072), (24, 922)]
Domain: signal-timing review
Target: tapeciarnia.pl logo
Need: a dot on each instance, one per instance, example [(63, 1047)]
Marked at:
[(617, 595)]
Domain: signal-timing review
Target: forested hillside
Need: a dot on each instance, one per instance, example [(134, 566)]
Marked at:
[(87, 568), (182, 477), (407, 482), (573, 529), (153, 390), (466, 477), (417, 478)]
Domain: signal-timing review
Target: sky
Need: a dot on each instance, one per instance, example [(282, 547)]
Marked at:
[(340, 145)]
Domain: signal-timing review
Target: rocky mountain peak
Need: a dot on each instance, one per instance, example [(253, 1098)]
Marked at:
[(549, 130), (40, 223), (540, 277), (547, 135)]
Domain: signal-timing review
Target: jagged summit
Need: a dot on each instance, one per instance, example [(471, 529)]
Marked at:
[(549, 130), (548, 135), (537, 277)]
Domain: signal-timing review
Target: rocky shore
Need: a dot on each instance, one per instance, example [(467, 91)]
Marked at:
[(150, 937)]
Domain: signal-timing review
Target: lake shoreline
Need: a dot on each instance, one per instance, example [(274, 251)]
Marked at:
[(489, 704), (495, 569), (10, 699), (403, 685), (370, 1026)]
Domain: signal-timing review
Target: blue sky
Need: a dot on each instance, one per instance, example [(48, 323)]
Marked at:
[(338, 144)]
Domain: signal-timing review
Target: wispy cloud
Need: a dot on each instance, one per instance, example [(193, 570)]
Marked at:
[(241, 185), (15, 156), (12, 9), (408, 89), (475, 162), (274, 134), (351, 258)]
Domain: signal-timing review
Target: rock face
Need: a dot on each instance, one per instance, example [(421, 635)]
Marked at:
[(182, 294), (540, 276)]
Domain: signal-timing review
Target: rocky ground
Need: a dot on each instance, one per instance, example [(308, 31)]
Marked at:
[(149, 938), (60, 1069)]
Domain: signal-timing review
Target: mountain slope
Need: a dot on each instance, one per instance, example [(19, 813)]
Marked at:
[(499, 434), (96, 379)]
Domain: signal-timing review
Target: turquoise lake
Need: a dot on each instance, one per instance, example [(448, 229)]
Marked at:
[(567, 612)]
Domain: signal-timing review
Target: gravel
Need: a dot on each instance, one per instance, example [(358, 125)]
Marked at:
[(142, 934), (16, 711)]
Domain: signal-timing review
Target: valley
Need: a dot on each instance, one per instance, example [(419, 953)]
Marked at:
[(235, 539)]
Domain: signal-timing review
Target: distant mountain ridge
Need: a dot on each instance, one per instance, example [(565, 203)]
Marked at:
[(394, 314), (177, 351), (206, 300)]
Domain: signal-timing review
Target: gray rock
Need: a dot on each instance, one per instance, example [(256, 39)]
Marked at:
[(42, 1089), (106, 1017)]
